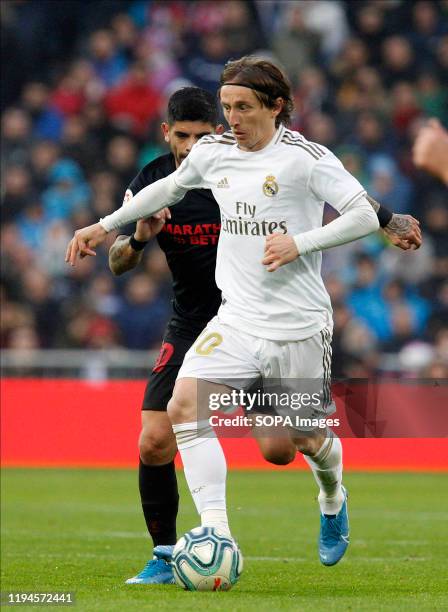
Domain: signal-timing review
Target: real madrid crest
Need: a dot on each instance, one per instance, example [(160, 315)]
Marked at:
[(270, 186)]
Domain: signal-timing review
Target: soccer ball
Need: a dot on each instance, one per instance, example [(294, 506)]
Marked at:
[(205, 559)]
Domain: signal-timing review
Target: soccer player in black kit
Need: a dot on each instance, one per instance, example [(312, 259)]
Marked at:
[(188, 235)]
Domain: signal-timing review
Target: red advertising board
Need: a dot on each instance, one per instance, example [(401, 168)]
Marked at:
[(76, 423)]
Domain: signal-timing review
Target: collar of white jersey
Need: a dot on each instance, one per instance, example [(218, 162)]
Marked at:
[(274, 141)]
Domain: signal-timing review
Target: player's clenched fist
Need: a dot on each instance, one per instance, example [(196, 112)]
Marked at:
[(84, 241), (149, 228), (279, 250), (404, 232)]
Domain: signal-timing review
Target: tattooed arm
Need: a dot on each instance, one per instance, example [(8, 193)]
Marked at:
[(402, 230), (122, 257)]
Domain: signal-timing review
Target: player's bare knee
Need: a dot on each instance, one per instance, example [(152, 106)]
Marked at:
[(311, 442), (181, 408), (156, 447), (278, 451), (280, 457), (175, 410), (308, 445)]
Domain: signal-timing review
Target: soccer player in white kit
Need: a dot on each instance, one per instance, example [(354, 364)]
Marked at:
[(276, 319)]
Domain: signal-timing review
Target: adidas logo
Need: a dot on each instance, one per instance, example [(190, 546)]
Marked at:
[(223, 183)]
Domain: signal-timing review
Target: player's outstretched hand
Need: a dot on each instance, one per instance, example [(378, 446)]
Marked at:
[(279, 250), (146, 229), (84, 241), (404, 232)]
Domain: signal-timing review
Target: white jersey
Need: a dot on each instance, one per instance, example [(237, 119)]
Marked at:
[(280, 188)]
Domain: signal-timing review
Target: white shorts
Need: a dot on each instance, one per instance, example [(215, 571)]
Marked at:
[(222, 354)]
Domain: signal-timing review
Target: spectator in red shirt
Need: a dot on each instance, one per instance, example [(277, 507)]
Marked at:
[(133, 104)]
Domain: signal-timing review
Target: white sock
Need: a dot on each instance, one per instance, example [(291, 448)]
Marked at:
[(326, 465), (205, 471)]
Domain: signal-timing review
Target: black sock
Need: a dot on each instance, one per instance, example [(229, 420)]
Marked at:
[(160, 501)]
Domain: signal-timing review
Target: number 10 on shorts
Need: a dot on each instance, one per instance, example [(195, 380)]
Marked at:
[(207, 342)]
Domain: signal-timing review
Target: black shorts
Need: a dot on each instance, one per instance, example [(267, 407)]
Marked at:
[(175, 345), (159, 389)]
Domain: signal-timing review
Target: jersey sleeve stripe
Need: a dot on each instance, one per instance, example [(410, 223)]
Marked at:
[(302, 146), (355, 197), (314, 146), (226, 138), (226, 141), (222, 142), (300, 138), (305, 143)]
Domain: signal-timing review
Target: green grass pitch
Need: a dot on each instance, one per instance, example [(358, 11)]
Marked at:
[(82, 531)]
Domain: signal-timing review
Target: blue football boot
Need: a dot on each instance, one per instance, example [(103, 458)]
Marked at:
[(158, 570), (334, 535)]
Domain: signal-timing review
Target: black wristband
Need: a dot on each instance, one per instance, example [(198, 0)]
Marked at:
[(137, 245), (384, 216)]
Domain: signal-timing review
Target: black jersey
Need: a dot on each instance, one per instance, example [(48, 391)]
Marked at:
[(189, 240)]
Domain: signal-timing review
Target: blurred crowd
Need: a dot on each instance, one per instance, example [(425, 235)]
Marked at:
[(85, 86)]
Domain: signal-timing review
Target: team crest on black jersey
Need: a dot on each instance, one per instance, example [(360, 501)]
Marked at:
[(270, 186)]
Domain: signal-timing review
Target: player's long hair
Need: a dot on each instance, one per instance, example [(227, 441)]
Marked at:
[(267, 81)]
